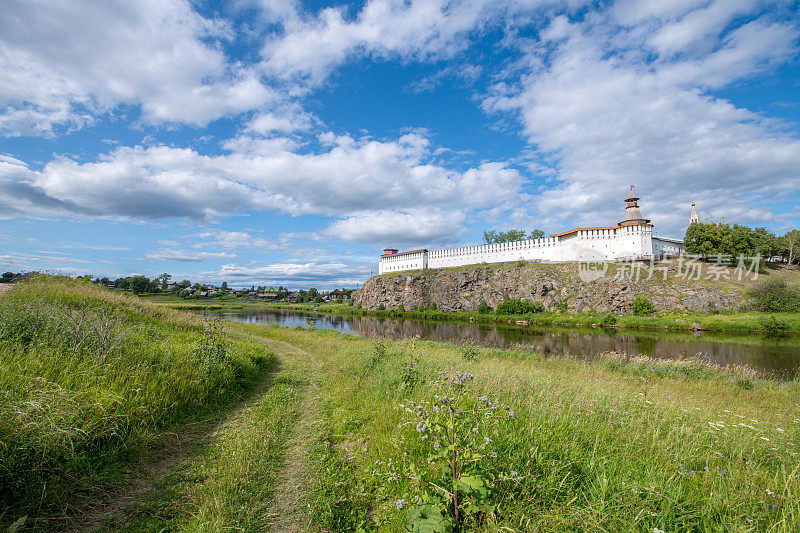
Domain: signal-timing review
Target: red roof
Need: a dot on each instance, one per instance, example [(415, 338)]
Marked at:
[(405, 253)]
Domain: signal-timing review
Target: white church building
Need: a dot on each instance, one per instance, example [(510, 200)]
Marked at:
[(629, 240)]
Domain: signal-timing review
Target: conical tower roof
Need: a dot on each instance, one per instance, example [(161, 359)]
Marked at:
[(632, 213)]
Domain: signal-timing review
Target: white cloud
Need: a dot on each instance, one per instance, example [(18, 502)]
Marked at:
[(294, 274), (233, 240), (178, 255), (416, 227), (65, 61), (609, 117), (350, 176), (311, 46)]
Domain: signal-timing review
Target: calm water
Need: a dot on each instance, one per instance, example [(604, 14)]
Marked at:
[(776, 356)]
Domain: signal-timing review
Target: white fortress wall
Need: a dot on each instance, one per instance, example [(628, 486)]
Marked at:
[(406, 261), (529, 250), (630, 240)]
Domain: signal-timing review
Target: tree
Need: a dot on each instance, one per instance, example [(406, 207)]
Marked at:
[(224, 286), (536, 234), (512, 235), (139, 284), (313, 293), (791, 241), (163, 279), (7, 277), (185, 284)]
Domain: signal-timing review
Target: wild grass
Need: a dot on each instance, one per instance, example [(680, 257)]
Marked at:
[(615, 444), (230, 485), (89, 377)]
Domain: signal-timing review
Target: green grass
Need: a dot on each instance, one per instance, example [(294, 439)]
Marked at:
[(614, 445), (90, 378), (229, 485)]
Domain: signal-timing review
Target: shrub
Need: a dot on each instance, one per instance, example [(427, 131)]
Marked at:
[(381, 307), (400, 308), (642, 306), (608, 319), (518, 307), (483, 308), (773, 325), (774, 294)]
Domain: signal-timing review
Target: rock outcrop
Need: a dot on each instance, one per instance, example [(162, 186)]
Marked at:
[(558, 286)]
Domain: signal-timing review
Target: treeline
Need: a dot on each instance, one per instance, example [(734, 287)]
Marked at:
[(709, 240), (512, 235)]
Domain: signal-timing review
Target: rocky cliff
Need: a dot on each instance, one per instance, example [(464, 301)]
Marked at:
[(556, 286)]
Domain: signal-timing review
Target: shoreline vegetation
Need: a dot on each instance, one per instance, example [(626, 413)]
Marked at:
[(729, 322), (324, 431)]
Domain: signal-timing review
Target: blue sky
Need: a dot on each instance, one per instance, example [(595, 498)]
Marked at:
[(279, 142)]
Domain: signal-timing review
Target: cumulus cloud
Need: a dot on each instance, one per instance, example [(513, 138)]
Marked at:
[(415, 227), (311, 46), (611, 105), (65, 61), (349, 176)]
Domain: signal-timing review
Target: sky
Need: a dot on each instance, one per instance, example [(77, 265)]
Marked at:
[(288, 142)]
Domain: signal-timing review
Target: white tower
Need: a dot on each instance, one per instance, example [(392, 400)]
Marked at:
[(694, 218)]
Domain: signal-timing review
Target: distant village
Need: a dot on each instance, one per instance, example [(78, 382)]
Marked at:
[(163, 284)]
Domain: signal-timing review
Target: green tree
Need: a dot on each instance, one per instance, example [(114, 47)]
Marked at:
[(512, 235), (7, 277), (791, 243), (139, 284), (224, 286), (162, 280), (185, 284)]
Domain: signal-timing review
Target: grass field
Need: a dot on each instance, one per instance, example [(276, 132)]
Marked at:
[(343, 433), (90, 379)]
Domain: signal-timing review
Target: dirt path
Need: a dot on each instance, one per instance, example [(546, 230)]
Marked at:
[(5, 287), (288, 508), (177, 448)]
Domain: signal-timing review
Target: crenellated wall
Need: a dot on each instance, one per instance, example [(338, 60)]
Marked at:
[(618, 243)]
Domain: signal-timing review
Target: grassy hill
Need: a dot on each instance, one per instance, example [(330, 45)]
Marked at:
[(90, 378)]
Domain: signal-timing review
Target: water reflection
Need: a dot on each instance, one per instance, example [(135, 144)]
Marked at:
[(777, 356)]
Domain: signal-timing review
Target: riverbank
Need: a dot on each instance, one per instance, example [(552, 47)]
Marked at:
[(750, 322)]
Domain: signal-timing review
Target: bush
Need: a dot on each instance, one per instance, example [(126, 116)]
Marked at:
[(401, 308), (775, 295), (774, 326), (608, 319), (483, 308), (381, 307), (642, 306), (518, 307)]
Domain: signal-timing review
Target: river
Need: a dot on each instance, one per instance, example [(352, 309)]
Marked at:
[(775, 356)]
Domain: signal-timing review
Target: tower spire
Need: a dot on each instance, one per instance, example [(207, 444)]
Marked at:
[(694, 217), (632, 213)]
